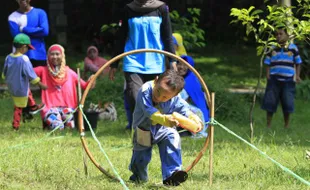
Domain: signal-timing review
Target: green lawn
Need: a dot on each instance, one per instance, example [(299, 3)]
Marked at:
[(56, 161)]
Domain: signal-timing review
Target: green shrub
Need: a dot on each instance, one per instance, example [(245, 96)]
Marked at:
[(234, 107), (188, 27), (107, 91), (303, 90)]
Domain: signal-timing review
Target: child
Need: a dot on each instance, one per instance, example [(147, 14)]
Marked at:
[(153, 124), (194, 94), (281, 61), (18, 72)]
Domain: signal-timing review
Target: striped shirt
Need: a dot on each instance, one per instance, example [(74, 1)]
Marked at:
[(282, 61)]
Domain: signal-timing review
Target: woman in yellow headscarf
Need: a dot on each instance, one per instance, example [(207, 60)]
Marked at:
[(178, 44)]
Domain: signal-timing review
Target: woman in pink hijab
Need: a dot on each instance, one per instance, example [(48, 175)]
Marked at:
[(93, 61), (61, 96)]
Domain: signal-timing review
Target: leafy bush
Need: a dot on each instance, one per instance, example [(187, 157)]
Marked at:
[(228, 105), (107, 91), (304, 51), (188, 27), (303, 90)]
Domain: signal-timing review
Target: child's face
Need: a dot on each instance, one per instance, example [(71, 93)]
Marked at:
[(55, 57), (92, 54), (281, 36), (162, 92), (24, 49)]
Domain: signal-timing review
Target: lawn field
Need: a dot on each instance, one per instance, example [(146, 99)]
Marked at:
[(35, 159)]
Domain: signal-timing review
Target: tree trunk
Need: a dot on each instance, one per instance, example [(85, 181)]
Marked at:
[(286, 3)]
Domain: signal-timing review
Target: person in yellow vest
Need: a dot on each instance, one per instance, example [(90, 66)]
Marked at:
[(178, 44)]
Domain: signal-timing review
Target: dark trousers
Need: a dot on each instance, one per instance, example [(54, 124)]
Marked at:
[(134, 81)]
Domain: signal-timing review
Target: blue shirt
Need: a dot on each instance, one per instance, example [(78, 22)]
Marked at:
[(35, 24), (145, 108), (282, 60), (18, 71), (144, 33)]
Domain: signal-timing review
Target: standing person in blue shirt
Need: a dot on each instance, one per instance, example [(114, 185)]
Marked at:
[(145, 25), (17, 72), (154, 124), (33, 22), (281, 62)]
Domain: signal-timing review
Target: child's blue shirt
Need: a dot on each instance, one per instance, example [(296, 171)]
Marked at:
[(282, 61), (18, 73), (145, 108)]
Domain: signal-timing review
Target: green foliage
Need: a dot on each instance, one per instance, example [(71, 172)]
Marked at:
[(262, 24), (56, 162), (5, 94), (192, 34), (110, 28), (304, 51), (228, 105), (303, 90), (107, 91)]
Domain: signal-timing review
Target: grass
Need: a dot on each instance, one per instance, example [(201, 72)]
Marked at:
[(56, 161)]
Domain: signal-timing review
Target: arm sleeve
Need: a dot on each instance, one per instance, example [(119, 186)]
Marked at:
[(166, 31), (4, 69), (267, 59), (14, 28), (38, 71), (89, 66), (41, 30), (29, 72), (297, 58), (75, 76), (122, 34), (181, 106), (162, 119)]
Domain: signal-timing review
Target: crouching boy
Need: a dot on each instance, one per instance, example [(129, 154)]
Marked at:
[(154, 124)]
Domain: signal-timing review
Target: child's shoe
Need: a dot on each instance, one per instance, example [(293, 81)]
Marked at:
[(135, 179), (36, 108), (176, 178)]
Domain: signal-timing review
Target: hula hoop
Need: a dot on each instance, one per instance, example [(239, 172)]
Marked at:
[(80, 116)]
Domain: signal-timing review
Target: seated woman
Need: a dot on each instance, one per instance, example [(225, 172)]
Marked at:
[(194, 94), (178, 44), (60, 98), (93, 62)]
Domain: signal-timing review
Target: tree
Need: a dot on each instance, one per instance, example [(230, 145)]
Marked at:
[(262, 24)]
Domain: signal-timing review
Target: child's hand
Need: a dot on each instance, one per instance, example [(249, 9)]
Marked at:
[(42, 86), (298, 79), (172, 121), (197, 120)]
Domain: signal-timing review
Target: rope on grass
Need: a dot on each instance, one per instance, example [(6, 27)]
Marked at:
[(102, 150), (29, 144), (262, 153)]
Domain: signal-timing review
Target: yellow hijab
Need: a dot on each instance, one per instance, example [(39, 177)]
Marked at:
[(180, 50)]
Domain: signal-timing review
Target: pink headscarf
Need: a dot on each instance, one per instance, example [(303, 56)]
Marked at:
[(58, 77), (94, 64)]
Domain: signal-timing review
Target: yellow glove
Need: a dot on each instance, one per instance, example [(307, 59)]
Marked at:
[(191, 123), (197, 120), (165, 120)]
